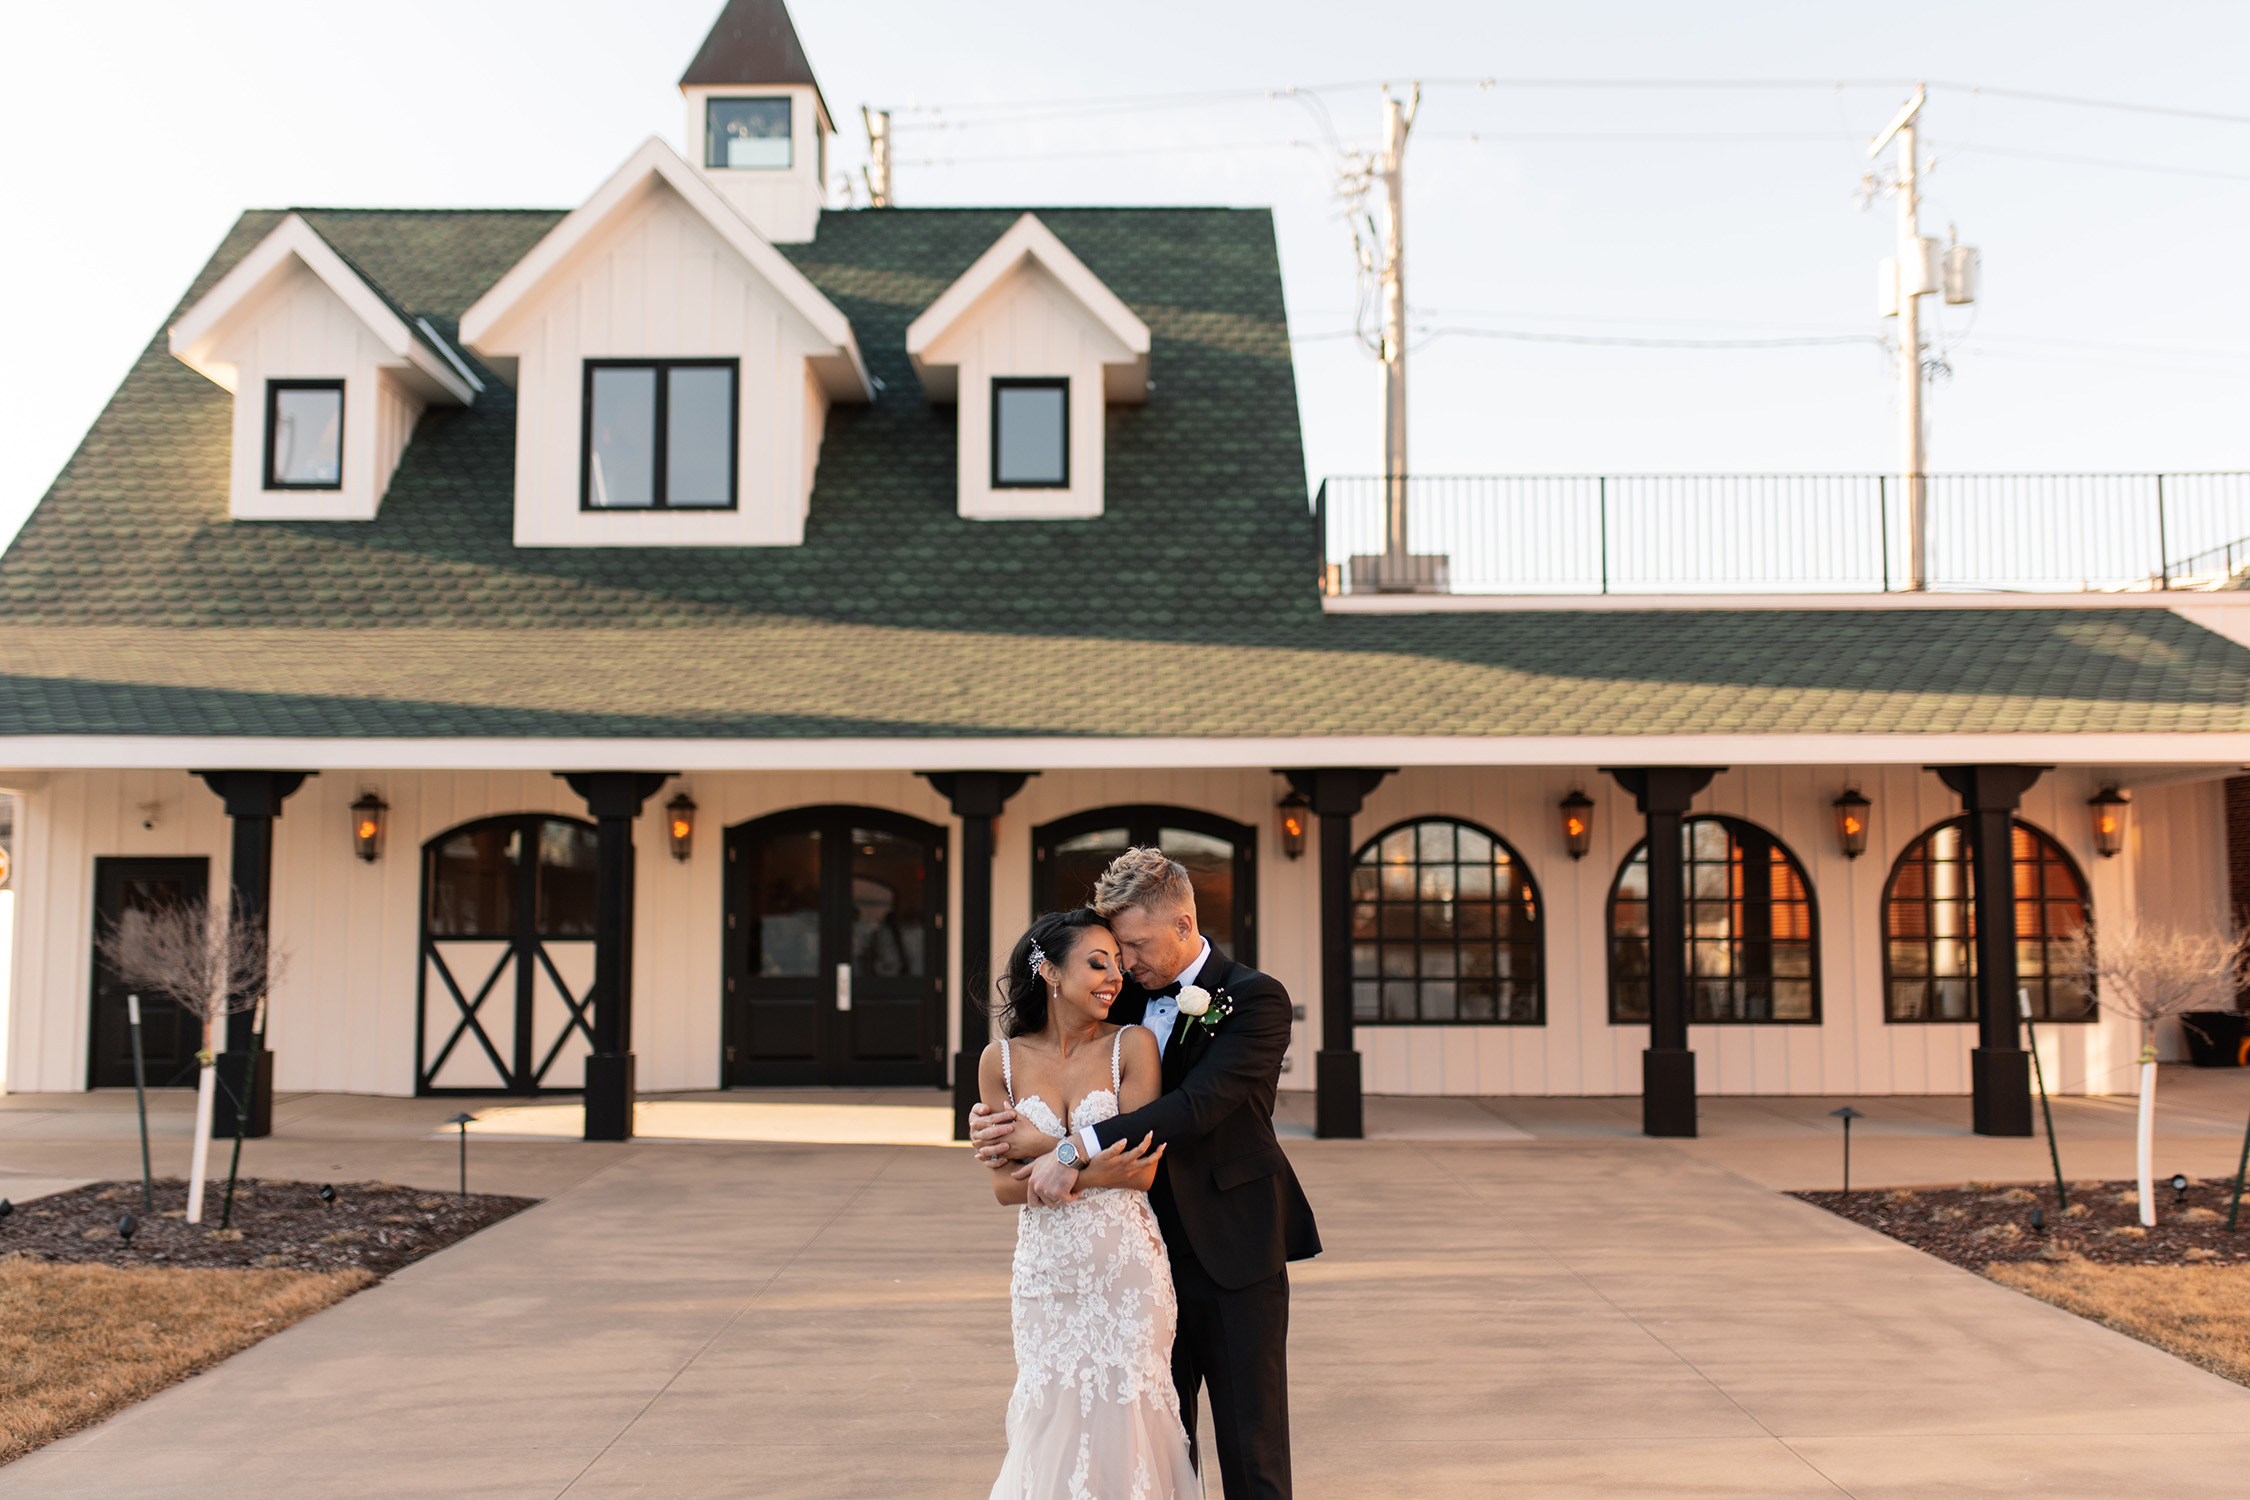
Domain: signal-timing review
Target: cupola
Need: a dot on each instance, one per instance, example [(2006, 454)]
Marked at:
[(757, 127)]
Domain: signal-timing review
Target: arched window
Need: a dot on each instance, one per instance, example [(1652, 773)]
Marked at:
[(1445, 929), (1929, 929), (1753, 936), (1069, 855), (507, 955)]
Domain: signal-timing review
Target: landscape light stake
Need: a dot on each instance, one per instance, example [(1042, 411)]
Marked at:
[(2234, 1209), (463, 1120), (140, 1100), (1847, 1114), (242, 1110), (2054, 1152)]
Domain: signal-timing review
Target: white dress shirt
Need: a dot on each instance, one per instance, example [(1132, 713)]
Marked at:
[(1162, 1014)]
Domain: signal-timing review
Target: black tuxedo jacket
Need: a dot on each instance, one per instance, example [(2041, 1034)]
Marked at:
[(1225, 1188)]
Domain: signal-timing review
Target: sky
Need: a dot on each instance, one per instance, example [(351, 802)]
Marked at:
[(1673, 174)]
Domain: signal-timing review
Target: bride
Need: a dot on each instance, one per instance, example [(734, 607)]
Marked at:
[(1095, 1415)]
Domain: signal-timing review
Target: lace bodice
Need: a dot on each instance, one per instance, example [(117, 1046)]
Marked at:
[(1095, 1415)]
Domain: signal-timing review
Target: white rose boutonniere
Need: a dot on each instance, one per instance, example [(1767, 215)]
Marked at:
[(1199, 1007)]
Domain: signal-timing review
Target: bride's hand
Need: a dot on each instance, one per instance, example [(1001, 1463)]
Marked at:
[(1115, 1167)]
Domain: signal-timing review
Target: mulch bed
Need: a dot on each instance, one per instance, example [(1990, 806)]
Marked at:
[(371, 1226), (1982, 1223)]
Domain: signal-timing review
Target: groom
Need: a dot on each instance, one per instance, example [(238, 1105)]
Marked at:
[(1225, 1197)]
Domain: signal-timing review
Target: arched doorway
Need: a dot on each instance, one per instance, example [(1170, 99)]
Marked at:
[(835, 950), (1069, 855), (507, 956)]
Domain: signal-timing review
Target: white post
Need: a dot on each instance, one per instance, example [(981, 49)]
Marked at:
[(878, 124), (1396, 123), (2145, 1136), (1913, 460), (206, 1090)]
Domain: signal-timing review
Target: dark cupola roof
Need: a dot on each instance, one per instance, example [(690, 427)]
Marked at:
[(751, 42)]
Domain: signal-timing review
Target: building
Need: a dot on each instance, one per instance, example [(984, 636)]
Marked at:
[(673, 644)]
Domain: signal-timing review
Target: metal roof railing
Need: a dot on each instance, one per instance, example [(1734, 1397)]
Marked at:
[(1776, 533)]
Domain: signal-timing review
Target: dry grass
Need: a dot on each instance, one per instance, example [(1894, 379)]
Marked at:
[(2200, 1313), (77, 1342)]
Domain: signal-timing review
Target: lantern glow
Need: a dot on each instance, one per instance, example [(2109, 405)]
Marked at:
[(679, 825), (1578, 823), (1292, 814), (2111, 811), (367, 826), (1851, 822)]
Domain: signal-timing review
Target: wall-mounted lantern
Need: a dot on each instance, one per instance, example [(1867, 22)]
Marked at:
[(1292, 812), (367, 826), (679, 825), (1578, 823), (1851, 822), (2110, 809)]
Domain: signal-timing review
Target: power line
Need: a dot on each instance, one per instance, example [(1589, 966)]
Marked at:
[(2095, 161), (1527, 336)]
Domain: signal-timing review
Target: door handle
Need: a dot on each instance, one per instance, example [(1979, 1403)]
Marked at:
[(843, 986)]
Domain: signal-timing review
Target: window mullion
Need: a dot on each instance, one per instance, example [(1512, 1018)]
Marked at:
[(660, 443)]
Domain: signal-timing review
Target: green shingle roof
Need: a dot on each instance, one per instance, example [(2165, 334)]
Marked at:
[(131, 603)]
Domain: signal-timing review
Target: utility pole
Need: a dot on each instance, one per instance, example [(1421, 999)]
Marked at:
[(878, 169), (1397, 121), (1912, 270)]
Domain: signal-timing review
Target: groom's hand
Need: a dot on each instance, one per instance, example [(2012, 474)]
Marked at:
[(989, 1132)]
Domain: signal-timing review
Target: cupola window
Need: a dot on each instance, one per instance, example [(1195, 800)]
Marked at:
[(660, 434), (304, 434), (747, 133), (1030, 434)]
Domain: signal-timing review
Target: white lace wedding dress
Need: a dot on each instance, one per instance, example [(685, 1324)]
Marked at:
[(1094, 1415)]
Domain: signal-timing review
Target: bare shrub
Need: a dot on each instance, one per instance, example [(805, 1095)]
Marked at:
[(2150, 973), (193, 954)]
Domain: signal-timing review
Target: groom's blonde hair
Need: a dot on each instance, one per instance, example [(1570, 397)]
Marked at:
[(1147, 878)]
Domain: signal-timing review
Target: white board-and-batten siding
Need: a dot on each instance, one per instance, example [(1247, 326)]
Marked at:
[(301, 330), (343, 1017), (659, 283)]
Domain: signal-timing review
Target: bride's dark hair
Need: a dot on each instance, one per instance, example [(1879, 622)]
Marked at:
[(1023, 994)]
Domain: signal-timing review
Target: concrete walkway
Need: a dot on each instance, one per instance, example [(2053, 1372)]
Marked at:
[(1582, 1315)]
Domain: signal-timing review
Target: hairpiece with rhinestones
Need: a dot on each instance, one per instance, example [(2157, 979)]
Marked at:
[(1038, 957)]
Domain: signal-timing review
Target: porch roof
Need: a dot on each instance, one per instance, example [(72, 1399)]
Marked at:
[(130, 604)]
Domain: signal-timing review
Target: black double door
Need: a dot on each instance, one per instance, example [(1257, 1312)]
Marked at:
[(170, 1036), (835, 950)]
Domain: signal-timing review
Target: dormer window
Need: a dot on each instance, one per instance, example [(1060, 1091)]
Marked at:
[(660, 434), (1030, 434), (304, 434), (747, 133)]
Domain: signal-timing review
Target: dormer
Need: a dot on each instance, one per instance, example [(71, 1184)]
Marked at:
[(673, 371), (757, 127), (328, 376), (1031, 348)]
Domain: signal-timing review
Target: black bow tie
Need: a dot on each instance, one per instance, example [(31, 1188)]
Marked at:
[(1166, 992)]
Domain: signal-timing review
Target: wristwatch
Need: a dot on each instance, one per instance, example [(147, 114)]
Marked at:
[(1067, 1154)]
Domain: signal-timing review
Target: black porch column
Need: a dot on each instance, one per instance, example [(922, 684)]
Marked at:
[(614, 798), (1664, 794), (1999, 1069), (253, 800), (977, 797), (1337, 793)]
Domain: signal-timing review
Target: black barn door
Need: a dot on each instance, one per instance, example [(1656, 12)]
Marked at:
[(169, 1035), (835, 950)]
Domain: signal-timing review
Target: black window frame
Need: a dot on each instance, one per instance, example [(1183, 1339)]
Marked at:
[(1537, 942), (274, 388), (1735, 828), (2041, 987), (1030, 382), (660, 458), (788, 102)]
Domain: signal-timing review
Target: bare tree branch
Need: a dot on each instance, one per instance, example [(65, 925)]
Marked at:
[(191, 953), (2149, 973)]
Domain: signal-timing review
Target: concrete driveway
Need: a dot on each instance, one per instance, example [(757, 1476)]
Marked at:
[(1570, 1314)]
